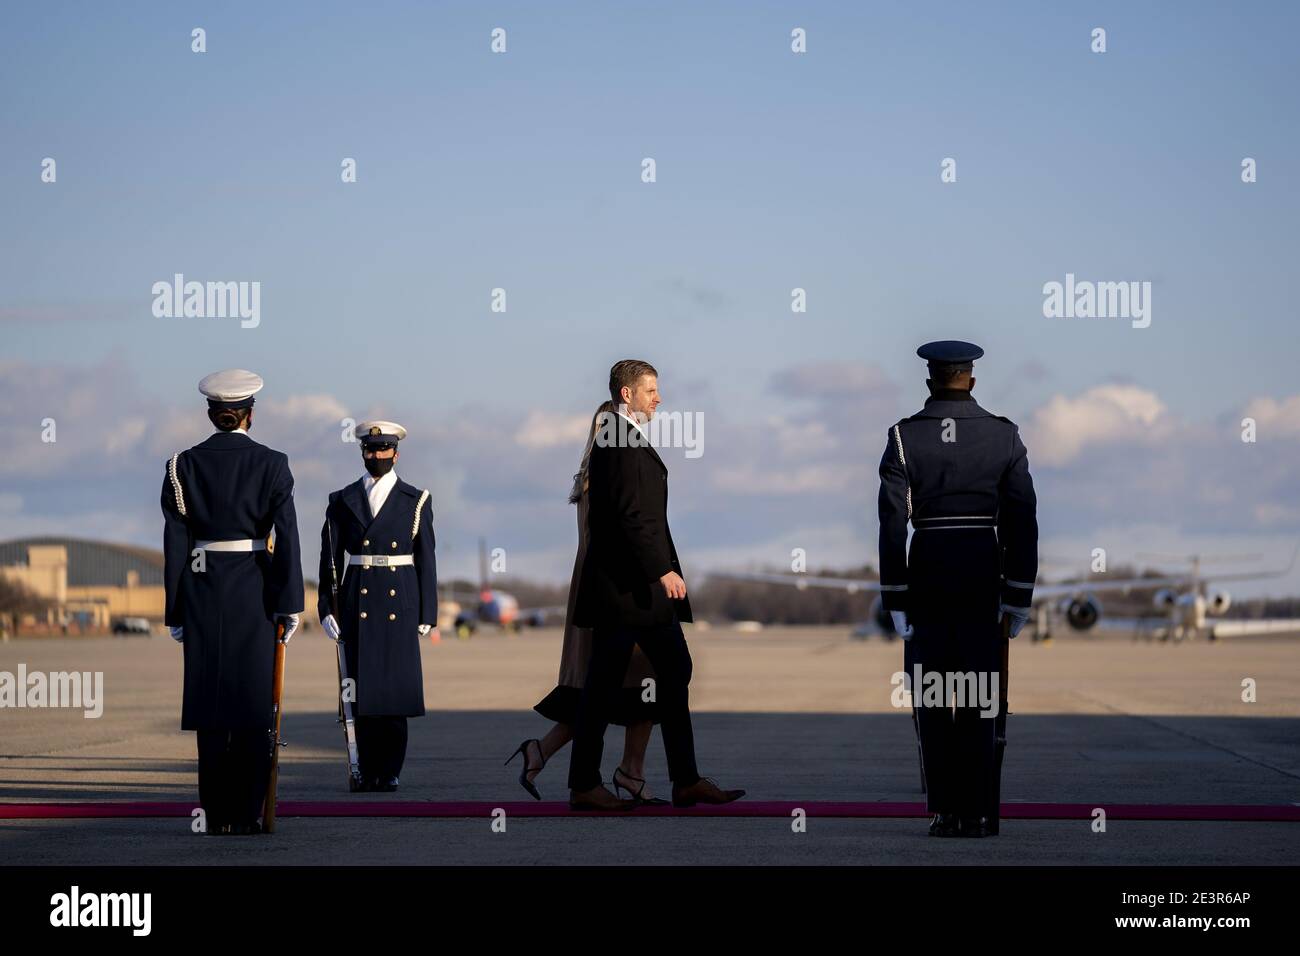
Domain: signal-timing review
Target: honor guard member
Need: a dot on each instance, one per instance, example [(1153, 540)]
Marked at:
[(386, 601), (961, 476), (227, 589)]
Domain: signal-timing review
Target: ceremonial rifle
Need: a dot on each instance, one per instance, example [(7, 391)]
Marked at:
[(346, 718), (277, 692), (995, 812)]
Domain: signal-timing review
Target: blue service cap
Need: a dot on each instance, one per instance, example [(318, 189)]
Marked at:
[(950, 352)]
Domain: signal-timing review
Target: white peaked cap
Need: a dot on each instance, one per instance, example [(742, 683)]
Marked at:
[(388, 431), (231, 385)]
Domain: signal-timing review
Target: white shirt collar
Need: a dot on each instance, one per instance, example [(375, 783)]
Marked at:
[(634, 422), (237, 431), (377, 490), (387, 481)]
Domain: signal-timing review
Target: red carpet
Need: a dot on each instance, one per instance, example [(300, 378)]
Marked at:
[(1252, 813)]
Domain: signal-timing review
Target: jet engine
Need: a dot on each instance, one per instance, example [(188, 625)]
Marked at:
[(1082, 613)]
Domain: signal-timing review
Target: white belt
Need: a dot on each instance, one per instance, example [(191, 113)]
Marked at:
[(380, 560), (926, 524), (242, 544)]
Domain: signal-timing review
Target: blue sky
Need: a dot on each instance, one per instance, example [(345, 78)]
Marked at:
[(775, 170)]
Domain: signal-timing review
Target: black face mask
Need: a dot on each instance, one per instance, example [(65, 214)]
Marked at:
[(378, 467)]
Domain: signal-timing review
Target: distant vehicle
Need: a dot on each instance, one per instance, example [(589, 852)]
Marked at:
[(496, 607), (128, 626)]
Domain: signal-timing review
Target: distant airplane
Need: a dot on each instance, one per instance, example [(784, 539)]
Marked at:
[(493, 606), (1184, 598), (1187, 602)]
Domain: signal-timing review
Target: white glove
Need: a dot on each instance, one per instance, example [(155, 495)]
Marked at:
[(901, 627), (331, 627), (290, 622), (178, 634), (1019, 617), (424, 629)]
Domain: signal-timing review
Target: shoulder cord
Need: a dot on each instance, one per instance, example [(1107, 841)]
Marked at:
[(898, 440), (176, 484), (415, 525)]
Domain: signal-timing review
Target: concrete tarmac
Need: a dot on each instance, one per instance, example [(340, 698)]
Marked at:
[(798, 714)]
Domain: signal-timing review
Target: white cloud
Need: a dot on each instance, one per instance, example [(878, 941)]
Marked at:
[(125, 435), (1060, 431), (549, 430), (775, 480), (803, 438), (314, 408), (1275, 417)]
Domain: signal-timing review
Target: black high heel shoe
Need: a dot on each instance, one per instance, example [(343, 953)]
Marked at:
[(635, 795), (523, 774)]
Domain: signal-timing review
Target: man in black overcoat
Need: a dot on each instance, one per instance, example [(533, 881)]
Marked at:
[(631, 592)]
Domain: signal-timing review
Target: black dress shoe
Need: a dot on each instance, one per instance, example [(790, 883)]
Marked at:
[(357, 784), (944, 825), (388, 785), (975, 827), (246, 829), (598, 798), (703, 790), (219, 829)]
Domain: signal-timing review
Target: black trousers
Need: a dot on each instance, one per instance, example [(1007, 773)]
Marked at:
[(611, 649), (381, 746), (954, 592), (957, 742), (234, 770)]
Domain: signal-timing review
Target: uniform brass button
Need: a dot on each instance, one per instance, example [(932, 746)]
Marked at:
[(366, 543), (393, 568), (363, 615), (365, 591), (392, 592), (394, 544), (392, 617)]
